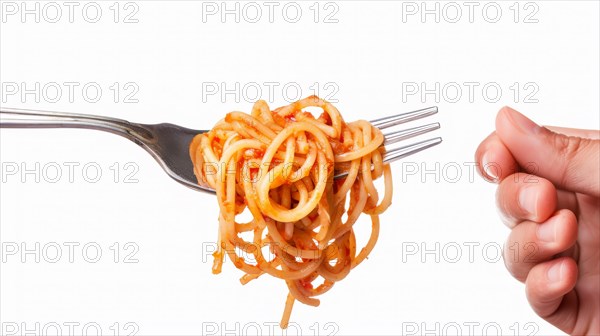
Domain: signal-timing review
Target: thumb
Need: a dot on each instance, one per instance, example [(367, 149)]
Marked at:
[(569, 162)]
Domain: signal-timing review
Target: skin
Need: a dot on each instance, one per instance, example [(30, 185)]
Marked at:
[(549, 196)]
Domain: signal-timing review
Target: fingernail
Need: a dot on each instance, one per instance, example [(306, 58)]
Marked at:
[(555, 272), (546, 232), (489, 168), (528, 200), (521, 122)]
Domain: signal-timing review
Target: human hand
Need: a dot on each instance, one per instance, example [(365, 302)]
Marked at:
[(549, 195)]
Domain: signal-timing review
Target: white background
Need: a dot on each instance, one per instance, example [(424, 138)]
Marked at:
[(372, 55)]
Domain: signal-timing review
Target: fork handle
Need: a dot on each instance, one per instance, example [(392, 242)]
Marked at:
[(23, 118)]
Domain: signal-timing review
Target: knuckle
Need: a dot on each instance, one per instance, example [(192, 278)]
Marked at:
[(567, 146), (568, 149)]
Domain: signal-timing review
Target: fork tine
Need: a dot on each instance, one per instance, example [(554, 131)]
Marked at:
[(402, 152), (401, 118), (408, 133)]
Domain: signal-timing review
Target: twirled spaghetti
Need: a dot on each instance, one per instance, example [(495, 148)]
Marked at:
[(280, 166)]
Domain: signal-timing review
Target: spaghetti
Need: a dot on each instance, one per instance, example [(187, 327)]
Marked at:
[(279, 165)]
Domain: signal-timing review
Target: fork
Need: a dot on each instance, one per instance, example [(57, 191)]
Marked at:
[(169, 144)]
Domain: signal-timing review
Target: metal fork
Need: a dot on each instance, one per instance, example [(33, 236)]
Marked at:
[(169, 144)]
